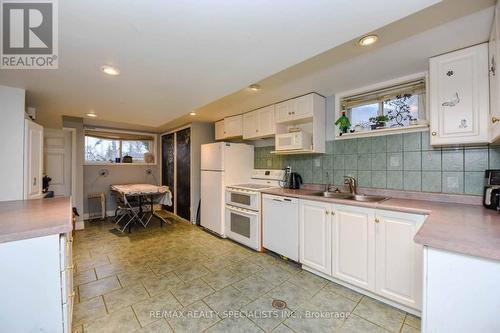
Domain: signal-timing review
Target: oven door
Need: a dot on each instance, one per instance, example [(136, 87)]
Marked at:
[(242, 198), (243, 226)]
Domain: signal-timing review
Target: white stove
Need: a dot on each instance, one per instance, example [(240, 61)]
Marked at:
[(243, 202)]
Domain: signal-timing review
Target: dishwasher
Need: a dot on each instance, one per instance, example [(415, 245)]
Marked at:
[(280, 225)]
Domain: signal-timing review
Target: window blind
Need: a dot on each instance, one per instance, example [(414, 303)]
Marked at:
[(119, 136), (416, 87)]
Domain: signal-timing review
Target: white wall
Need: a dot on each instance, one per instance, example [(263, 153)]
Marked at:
[(12, 143)]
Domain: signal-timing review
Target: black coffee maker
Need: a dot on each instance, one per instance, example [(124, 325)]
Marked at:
[(294, 181), (491, 194)]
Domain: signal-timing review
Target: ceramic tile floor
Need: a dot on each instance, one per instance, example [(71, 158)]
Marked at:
[(181, 279)]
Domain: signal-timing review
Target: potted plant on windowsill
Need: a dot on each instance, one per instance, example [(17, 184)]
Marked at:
[(378, 122)]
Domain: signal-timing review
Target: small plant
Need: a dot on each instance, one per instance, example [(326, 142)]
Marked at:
[(379, 121)]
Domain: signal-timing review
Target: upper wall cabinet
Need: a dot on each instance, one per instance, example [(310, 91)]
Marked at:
[(259, 123), (295, 109), (459, 97), (219, 130), (494, 51), (230, 127)]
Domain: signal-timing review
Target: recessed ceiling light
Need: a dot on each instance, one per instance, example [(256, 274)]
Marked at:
[(368, 40), (192, 113), (254, 87), (110, 70), (91, 115)]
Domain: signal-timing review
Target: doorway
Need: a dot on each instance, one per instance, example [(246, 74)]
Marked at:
[(58, 160)]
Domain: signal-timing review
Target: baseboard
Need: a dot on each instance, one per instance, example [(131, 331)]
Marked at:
[(109, 213)]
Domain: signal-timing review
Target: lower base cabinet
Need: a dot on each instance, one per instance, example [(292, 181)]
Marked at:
[(36, 284), (315, 232), (364, 247)]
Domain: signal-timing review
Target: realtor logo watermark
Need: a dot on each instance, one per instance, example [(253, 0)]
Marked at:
[(29, 33)]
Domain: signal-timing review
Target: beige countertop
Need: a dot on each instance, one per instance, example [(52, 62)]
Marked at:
[(468, 229), (25, 219)]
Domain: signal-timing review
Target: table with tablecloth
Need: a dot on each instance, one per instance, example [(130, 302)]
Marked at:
[(137, 198)]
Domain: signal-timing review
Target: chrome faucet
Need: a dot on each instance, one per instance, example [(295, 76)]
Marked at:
[(353, 187)]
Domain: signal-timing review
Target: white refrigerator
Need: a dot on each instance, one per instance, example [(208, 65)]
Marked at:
[(222, 164)]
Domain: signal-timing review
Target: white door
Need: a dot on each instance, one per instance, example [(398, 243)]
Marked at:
[(57, 160), (493, 46), (284, 111), (315, 235), (280, 225), (353, 245), (33, 160), (251, 125), (233, 126), (303, 107), (267, 125), (459, 96), (398, 257), (219, 130), (212, 201), (212, 156)]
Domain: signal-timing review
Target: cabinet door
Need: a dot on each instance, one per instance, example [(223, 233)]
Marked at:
[(303, 107), (283, 111), (315, 235), (353, 245), (233, 126), (493, 48), (398, 257), (251, 125), (267, 126), (459, 96), (219, 130), (33, 152)]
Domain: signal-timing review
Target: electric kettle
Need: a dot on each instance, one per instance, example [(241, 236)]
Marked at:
[(294, 180)]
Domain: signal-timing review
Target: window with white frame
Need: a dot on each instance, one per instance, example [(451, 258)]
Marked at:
[(112, 147), (400, 105)]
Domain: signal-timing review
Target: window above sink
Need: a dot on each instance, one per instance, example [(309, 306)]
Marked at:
[(396, 106)]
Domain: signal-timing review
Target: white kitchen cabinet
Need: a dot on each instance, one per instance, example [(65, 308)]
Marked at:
[(280, 225), (33, 160), (259, 123), (461, 293), (494, 51), (233, 126), (363, 247), (36, 279), (398, 257), (459, 97), (219, 130), (315, 232), (296, 108), (353, 249)]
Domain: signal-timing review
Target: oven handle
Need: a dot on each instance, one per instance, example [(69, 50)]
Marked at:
[(234, 190), (241, 210)]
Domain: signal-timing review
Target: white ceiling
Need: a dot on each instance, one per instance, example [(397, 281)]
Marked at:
[(404, 48), (176, 56)]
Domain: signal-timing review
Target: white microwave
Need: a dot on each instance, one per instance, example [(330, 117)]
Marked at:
[(293, 141)]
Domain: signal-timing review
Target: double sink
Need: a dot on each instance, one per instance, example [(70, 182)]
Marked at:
[(349, 196)]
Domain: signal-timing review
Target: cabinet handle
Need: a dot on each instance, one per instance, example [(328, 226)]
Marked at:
[(434, 133), (494, 120), (34, 181), (327, 212), (72, 295), (377, 220), (333, 213)]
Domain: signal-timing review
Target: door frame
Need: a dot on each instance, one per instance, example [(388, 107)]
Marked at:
[(173, 131), (73, 164)]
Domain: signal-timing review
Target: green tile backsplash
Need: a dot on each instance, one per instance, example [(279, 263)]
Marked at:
[(402, 161)]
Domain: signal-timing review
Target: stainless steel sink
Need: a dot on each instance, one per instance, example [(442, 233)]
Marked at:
[(368, 198), (348, 196)]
